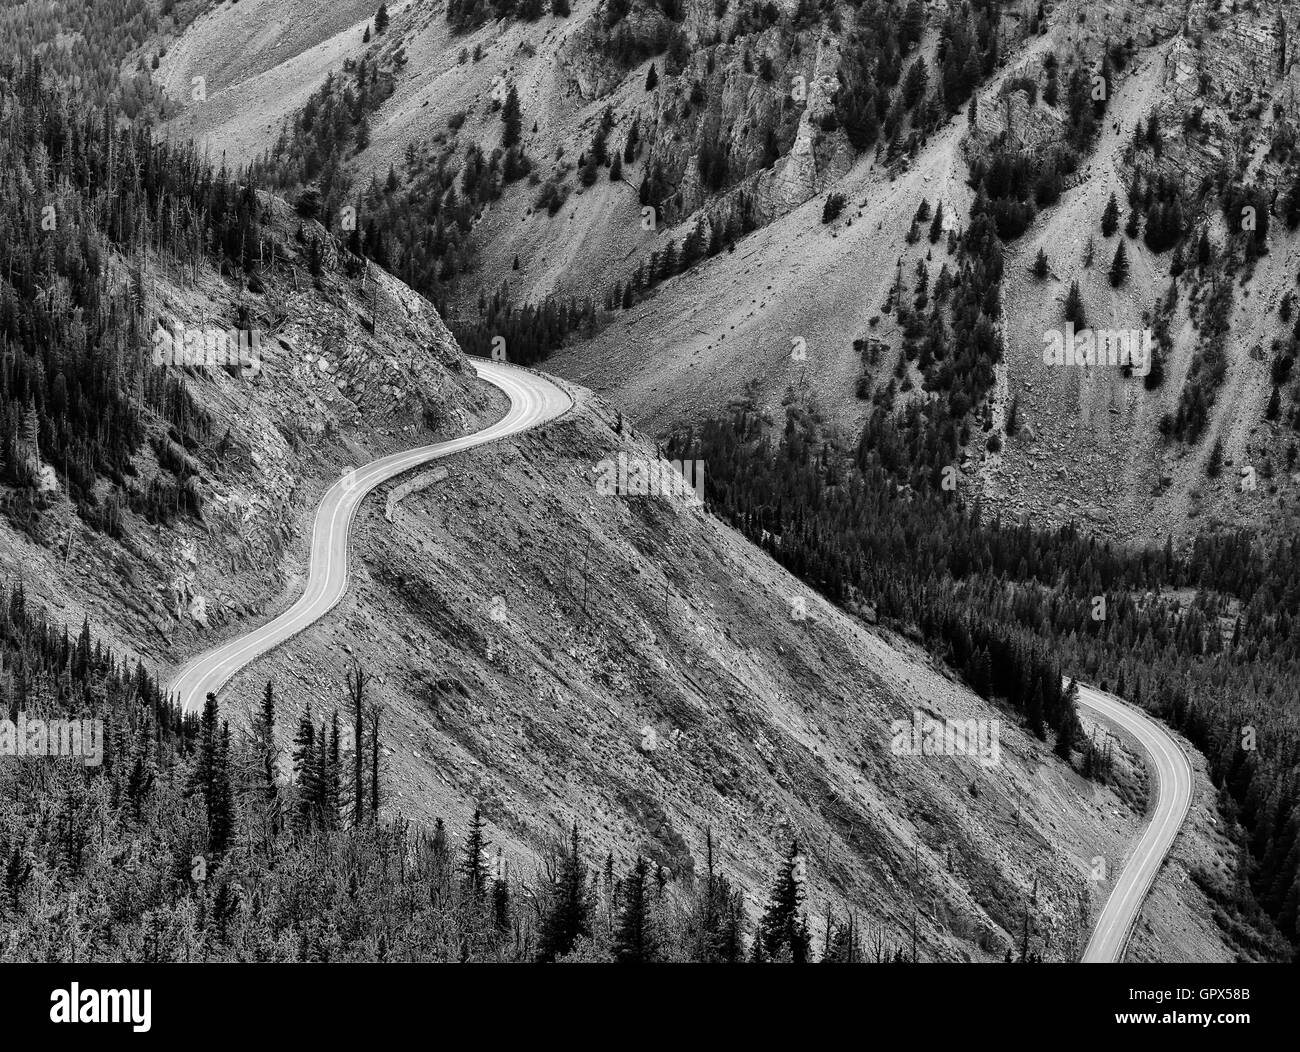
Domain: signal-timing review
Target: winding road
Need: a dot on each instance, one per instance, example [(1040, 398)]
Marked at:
[(533, 401), (1174, 797)]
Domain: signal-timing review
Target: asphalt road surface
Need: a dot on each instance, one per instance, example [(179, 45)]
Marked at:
[(533, 401), (1173, 798)]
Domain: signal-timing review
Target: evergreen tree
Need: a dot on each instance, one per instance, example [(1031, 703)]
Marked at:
[(936, 224), (210, 778), (306, 774), (356, 682), (1074, 307), (783, 927), (634, 942), (511, 119), (473, 866), (266, 754), (569, 916), (1119, 266), (1110, 217), (221, 813)]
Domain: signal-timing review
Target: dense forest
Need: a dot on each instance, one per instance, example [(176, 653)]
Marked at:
[(77, 395), (86, 43)]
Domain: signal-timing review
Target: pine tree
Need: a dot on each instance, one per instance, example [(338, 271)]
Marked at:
[(634, 942), (1156, 373), (305, 773), (356, 682), (936, 224), (205, 765), (1119, 266), (1065, 738), (473, 867), (210, 778), (1035, 709), (381, 19), (221, 813), (1214, 465), (569, 916), (266, 755), (1110, 217), (1074, 307), (783, 927), (651, 78), (1041, 265), (511, 119)]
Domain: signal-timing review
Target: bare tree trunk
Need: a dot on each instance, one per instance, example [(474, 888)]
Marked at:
[(357, 680)]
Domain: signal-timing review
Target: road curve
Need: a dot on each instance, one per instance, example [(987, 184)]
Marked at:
[(533, 401), (1174, 797)]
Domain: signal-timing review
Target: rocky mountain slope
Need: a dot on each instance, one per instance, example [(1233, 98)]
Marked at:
[(1218, 79), (555, 655), (349, 366)]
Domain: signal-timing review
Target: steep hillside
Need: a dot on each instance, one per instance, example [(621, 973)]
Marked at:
[(568, 73), (258, 62), (739, 143), (554, 655), (1209, 107), (540, 649), (205, 525), (719, 117)]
